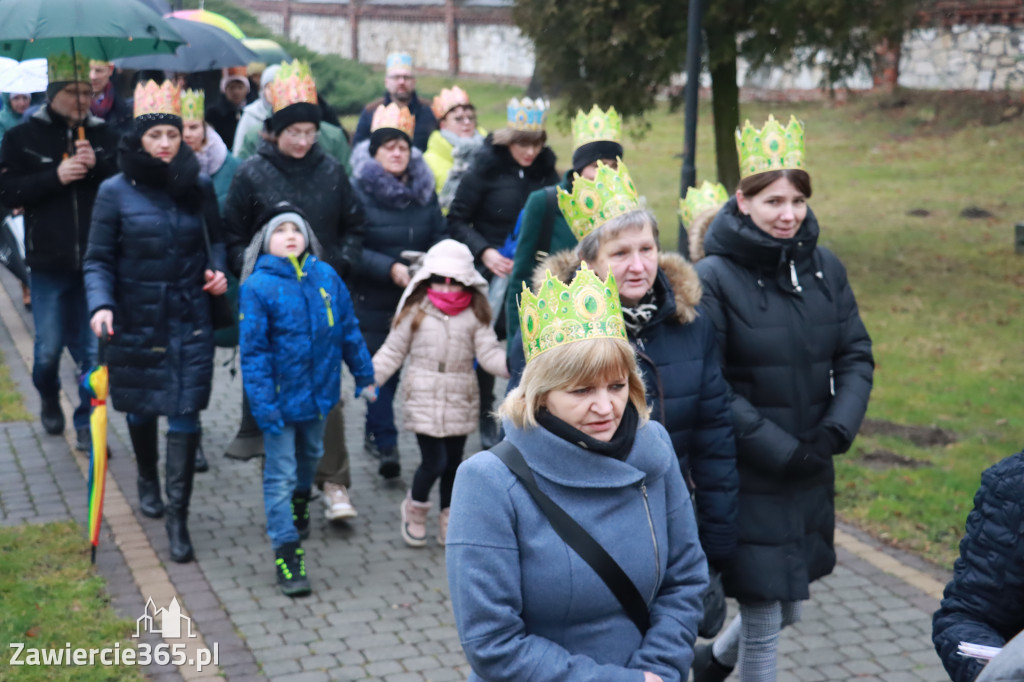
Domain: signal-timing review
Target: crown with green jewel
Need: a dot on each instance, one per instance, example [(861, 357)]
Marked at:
[(700, 199), (596, 126), (594, 202), (770, 148), (63, 66), (559, 314), (193, 105)]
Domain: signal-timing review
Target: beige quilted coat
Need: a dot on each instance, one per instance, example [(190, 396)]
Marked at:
[(439, 391)]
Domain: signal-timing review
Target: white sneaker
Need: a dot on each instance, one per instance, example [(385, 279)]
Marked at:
[(337, 502)]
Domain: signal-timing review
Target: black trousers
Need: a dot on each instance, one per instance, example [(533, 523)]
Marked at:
[(439, 458)]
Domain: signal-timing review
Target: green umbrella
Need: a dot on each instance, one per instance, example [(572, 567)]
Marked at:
[(100, 29)]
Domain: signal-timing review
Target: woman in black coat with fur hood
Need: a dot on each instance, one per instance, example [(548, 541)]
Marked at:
[(798, 359), (513, 162)]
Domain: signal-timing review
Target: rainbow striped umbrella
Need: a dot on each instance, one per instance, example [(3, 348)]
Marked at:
[(212, 18), (97, 382)]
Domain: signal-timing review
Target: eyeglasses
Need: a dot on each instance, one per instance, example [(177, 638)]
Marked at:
[(299, 134), (401, 78)]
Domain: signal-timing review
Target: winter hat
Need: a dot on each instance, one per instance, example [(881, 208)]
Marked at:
[(447, 258), (234, 74), (282, 212), (293, 97), (266, 79), (389, 123), (157, 105), (596, 135)]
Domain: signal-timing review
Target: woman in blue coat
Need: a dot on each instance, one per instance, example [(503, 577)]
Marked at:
[(526, 605), (148, 278), (395, 188)]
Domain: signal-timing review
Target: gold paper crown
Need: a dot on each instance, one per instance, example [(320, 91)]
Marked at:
[(596, 126), (527, 114), (64, 67), (700, 199), (292, 84), (157, 99), (393, 116), (770, 148), (448, 100), (594, 202), (559, 314), (193, 105)]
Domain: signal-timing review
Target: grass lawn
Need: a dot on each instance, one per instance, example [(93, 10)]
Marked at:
[(940, 294), (12, 407), (50, 596)]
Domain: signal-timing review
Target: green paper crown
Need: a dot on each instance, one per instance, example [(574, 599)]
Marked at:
[(63, 67), (596, 126), (770, 148), (700, 199), (594, 202), (193, 105), (559, 314)]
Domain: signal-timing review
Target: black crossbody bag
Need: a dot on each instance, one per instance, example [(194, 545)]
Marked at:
[(578, 539)]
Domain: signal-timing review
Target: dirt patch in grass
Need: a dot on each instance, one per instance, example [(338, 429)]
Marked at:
[(921, 436), (887, 459)]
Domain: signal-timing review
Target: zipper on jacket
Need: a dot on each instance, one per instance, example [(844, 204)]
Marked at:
[(654, 539), (327, 302), (792, 277), (832, 382)]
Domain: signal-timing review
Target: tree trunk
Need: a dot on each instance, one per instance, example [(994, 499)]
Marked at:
[(725, 102)]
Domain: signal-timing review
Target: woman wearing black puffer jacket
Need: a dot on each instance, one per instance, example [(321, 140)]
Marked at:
[(798, 359), (513, 162)]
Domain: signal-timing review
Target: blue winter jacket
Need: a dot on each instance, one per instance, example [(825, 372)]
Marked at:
[(296, 326), (984, 602), (527, 607)]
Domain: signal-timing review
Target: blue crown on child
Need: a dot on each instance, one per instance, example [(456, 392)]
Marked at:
[(527, 114)]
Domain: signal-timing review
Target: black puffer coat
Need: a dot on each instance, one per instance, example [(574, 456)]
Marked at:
[(685, 389), (984, 603), (316, 183), (491, 194), (400, 216), (145, 262), (796, 354)]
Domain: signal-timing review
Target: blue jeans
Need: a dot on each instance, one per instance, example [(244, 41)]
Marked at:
[(182, 423), (61, 319), (292, 456), (380, 415)]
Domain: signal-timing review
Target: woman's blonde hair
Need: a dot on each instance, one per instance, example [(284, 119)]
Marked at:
[(571, 366)]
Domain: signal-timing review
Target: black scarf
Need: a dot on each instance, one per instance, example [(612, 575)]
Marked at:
[(637, 317), (179, 178), (617, 448)]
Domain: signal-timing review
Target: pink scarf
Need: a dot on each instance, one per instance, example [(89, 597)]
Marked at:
[(450, 302)]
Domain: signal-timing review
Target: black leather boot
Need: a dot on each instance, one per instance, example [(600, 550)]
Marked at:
[(248, 442), (144, 442), (181, 467), (202, 465)]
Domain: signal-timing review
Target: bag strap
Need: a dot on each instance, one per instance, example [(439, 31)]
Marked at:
[(579, 539), (547, 226)]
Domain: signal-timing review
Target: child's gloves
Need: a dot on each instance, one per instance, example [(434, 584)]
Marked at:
[(369, 393)]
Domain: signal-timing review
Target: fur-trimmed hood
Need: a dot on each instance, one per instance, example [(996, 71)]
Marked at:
[(384, 187), (697, 229), (674, 271)]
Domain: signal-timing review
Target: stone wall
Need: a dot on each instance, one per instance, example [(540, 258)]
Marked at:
[(497, 50), (326, 35), (980, 57), (427, 42)]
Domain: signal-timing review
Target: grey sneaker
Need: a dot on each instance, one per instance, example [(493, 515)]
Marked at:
[(337, 504)]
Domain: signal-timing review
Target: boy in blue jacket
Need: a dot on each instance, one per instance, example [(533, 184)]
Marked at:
[(296, 325)]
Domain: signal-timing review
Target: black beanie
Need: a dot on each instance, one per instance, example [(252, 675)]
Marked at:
[(590, 152), (382, 136), (147, 121), (300, 112)]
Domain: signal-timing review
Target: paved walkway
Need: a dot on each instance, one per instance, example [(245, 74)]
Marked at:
[(379, 609)]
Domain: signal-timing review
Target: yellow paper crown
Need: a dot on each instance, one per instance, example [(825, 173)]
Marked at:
[(527, 114), (448, 100), (193, 105), (596, 126), (594, 202), (770, 148), (559, 314), (157, 99), (63, 67), (700, 199), (393, 116), (292, 84)]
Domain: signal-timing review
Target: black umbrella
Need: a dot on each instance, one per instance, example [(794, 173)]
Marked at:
[(12, 253), (208, 47)]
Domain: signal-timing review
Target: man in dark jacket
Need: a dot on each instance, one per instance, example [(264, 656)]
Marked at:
[(984, 602), (54, 172), (225, 113), (107, 104), (400, 84)]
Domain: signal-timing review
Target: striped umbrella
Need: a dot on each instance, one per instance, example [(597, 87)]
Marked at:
[(97, 382), (212, 18)]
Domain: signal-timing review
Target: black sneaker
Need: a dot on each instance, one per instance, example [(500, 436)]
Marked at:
[(300, 513), (51, 415), (83, 439), (291, 570), (390, 464)]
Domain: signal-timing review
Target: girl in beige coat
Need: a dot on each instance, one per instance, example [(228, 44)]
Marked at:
[(442, 323)]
